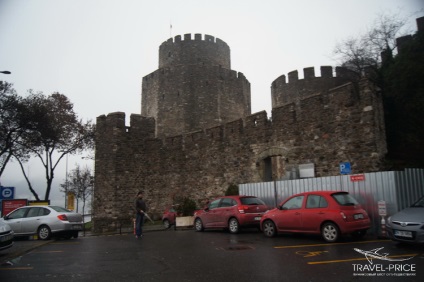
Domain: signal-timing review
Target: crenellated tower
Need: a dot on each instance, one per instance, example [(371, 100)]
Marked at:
[(194, 87), (283, 92)]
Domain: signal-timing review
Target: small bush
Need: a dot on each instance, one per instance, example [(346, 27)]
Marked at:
[(186, 207), (232, 190)]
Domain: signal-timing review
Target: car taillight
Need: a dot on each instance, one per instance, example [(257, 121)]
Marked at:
[(242, 209), (62, 217)]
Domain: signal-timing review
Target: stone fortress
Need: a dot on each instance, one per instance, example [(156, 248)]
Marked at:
[(195, 135)]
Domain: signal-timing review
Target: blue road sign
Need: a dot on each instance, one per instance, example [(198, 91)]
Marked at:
[(7, 193), (345, 168)]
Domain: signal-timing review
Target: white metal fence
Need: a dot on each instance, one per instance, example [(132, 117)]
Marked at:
[(398, 190)]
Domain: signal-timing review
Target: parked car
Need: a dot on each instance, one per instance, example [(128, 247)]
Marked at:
[(44, 221), (168, 217), (408, 224), (232, 212), (329, 213), (6, 236)]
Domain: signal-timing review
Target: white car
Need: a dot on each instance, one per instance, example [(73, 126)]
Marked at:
[(408, 224), (44, 221), (6, 236)]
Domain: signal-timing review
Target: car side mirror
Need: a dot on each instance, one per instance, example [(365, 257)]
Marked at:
[(206, 209), (6, 217)]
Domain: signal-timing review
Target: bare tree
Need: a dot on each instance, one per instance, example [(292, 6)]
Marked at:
[(80, 182), (363, 53)]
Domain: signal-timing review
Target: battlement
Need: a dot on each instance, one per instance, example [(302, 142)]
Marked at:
[(283, 92), (208, 51), (197, 37)]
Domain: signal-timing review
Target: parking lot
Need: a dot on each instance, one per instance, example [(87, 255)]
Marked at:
[(215, 255)]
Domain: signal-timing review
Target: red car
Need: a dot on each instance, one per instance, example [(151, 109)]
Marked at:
[(329, 213), (168, 217), (232, 212)]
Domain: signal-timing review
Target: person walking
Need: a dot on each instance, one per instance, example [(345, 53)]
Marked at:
[(141, 208)]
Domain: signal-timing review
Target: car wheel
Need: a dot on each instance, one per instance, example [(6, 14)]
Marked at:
[(233, 226), (330, 232), (44, 232), (269, 228), (75, 234), (198, 225), (166, 223)]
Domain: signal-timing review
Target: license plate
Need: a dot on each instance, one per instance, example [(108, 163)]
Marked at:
[(76, 227), (358, 216), (399, 233), (257, 218), (6, 238)]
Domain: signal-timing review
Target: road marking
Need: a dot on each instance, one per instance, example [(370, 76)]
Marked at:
[(346, 260), (47, 252), (16, 268), (307, 254), (327, 244)]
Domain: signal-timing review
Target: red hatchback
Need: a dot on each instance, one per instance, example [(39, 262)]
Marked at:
[(232, 212), (329, 213)]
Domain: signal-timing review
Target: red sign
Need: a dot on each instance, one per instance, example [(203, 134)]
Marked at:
[(358, 177), (11, 205)]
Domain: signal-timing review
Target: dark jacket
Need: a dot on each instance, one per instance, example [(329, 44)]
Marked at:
[(140, 205)]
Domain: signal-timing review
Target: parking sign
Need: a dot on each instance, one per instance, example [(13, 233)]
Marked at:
[(7, 193), (345, 168)]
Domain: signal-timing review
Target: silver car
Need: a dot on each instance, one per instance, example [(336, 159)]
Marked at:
[(408, 224), (44, 221), (6, 236)]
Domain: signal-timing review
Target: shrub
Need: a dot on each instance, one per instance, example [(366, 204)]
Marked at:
[(186, 206), (232, 190)]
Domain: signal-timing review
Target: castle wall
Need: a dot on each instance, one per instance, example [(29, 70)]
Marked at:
[(325, 128)]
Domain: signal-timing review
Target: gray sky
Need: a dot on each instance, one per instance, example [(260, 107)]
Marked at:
[(97, 51)]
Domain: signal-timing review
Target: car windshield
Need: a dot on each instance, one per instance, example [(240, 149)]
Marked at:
[(419, 204), (344, 199), (251, 201), (59, 209)]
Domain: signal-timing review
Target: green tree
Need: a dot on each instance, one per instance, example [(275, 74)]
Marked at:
[(14, 124), (402, 77), (56, 132), (80, 182)]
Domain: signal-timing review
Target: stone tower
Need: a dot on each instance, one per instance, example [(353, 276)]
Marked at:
[(194, 87)]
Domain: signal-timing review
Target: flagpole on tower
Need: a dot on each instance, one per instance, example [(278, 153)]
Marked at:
[(170, 29)]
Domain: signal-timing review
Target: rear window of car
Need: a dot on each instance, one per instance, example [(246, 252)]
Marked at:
[(59, 209), (251, 201), (344, 199)]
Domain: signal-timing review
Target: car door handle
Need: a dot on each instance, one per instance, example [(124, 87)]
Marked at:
[(297, 213)]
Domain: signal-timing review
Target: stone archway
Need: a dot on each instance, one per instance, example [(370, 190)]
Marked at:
[(271, 164)]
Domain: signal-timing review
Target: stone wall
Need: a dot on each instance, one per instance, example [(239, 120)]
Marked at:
[(325, 128)]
